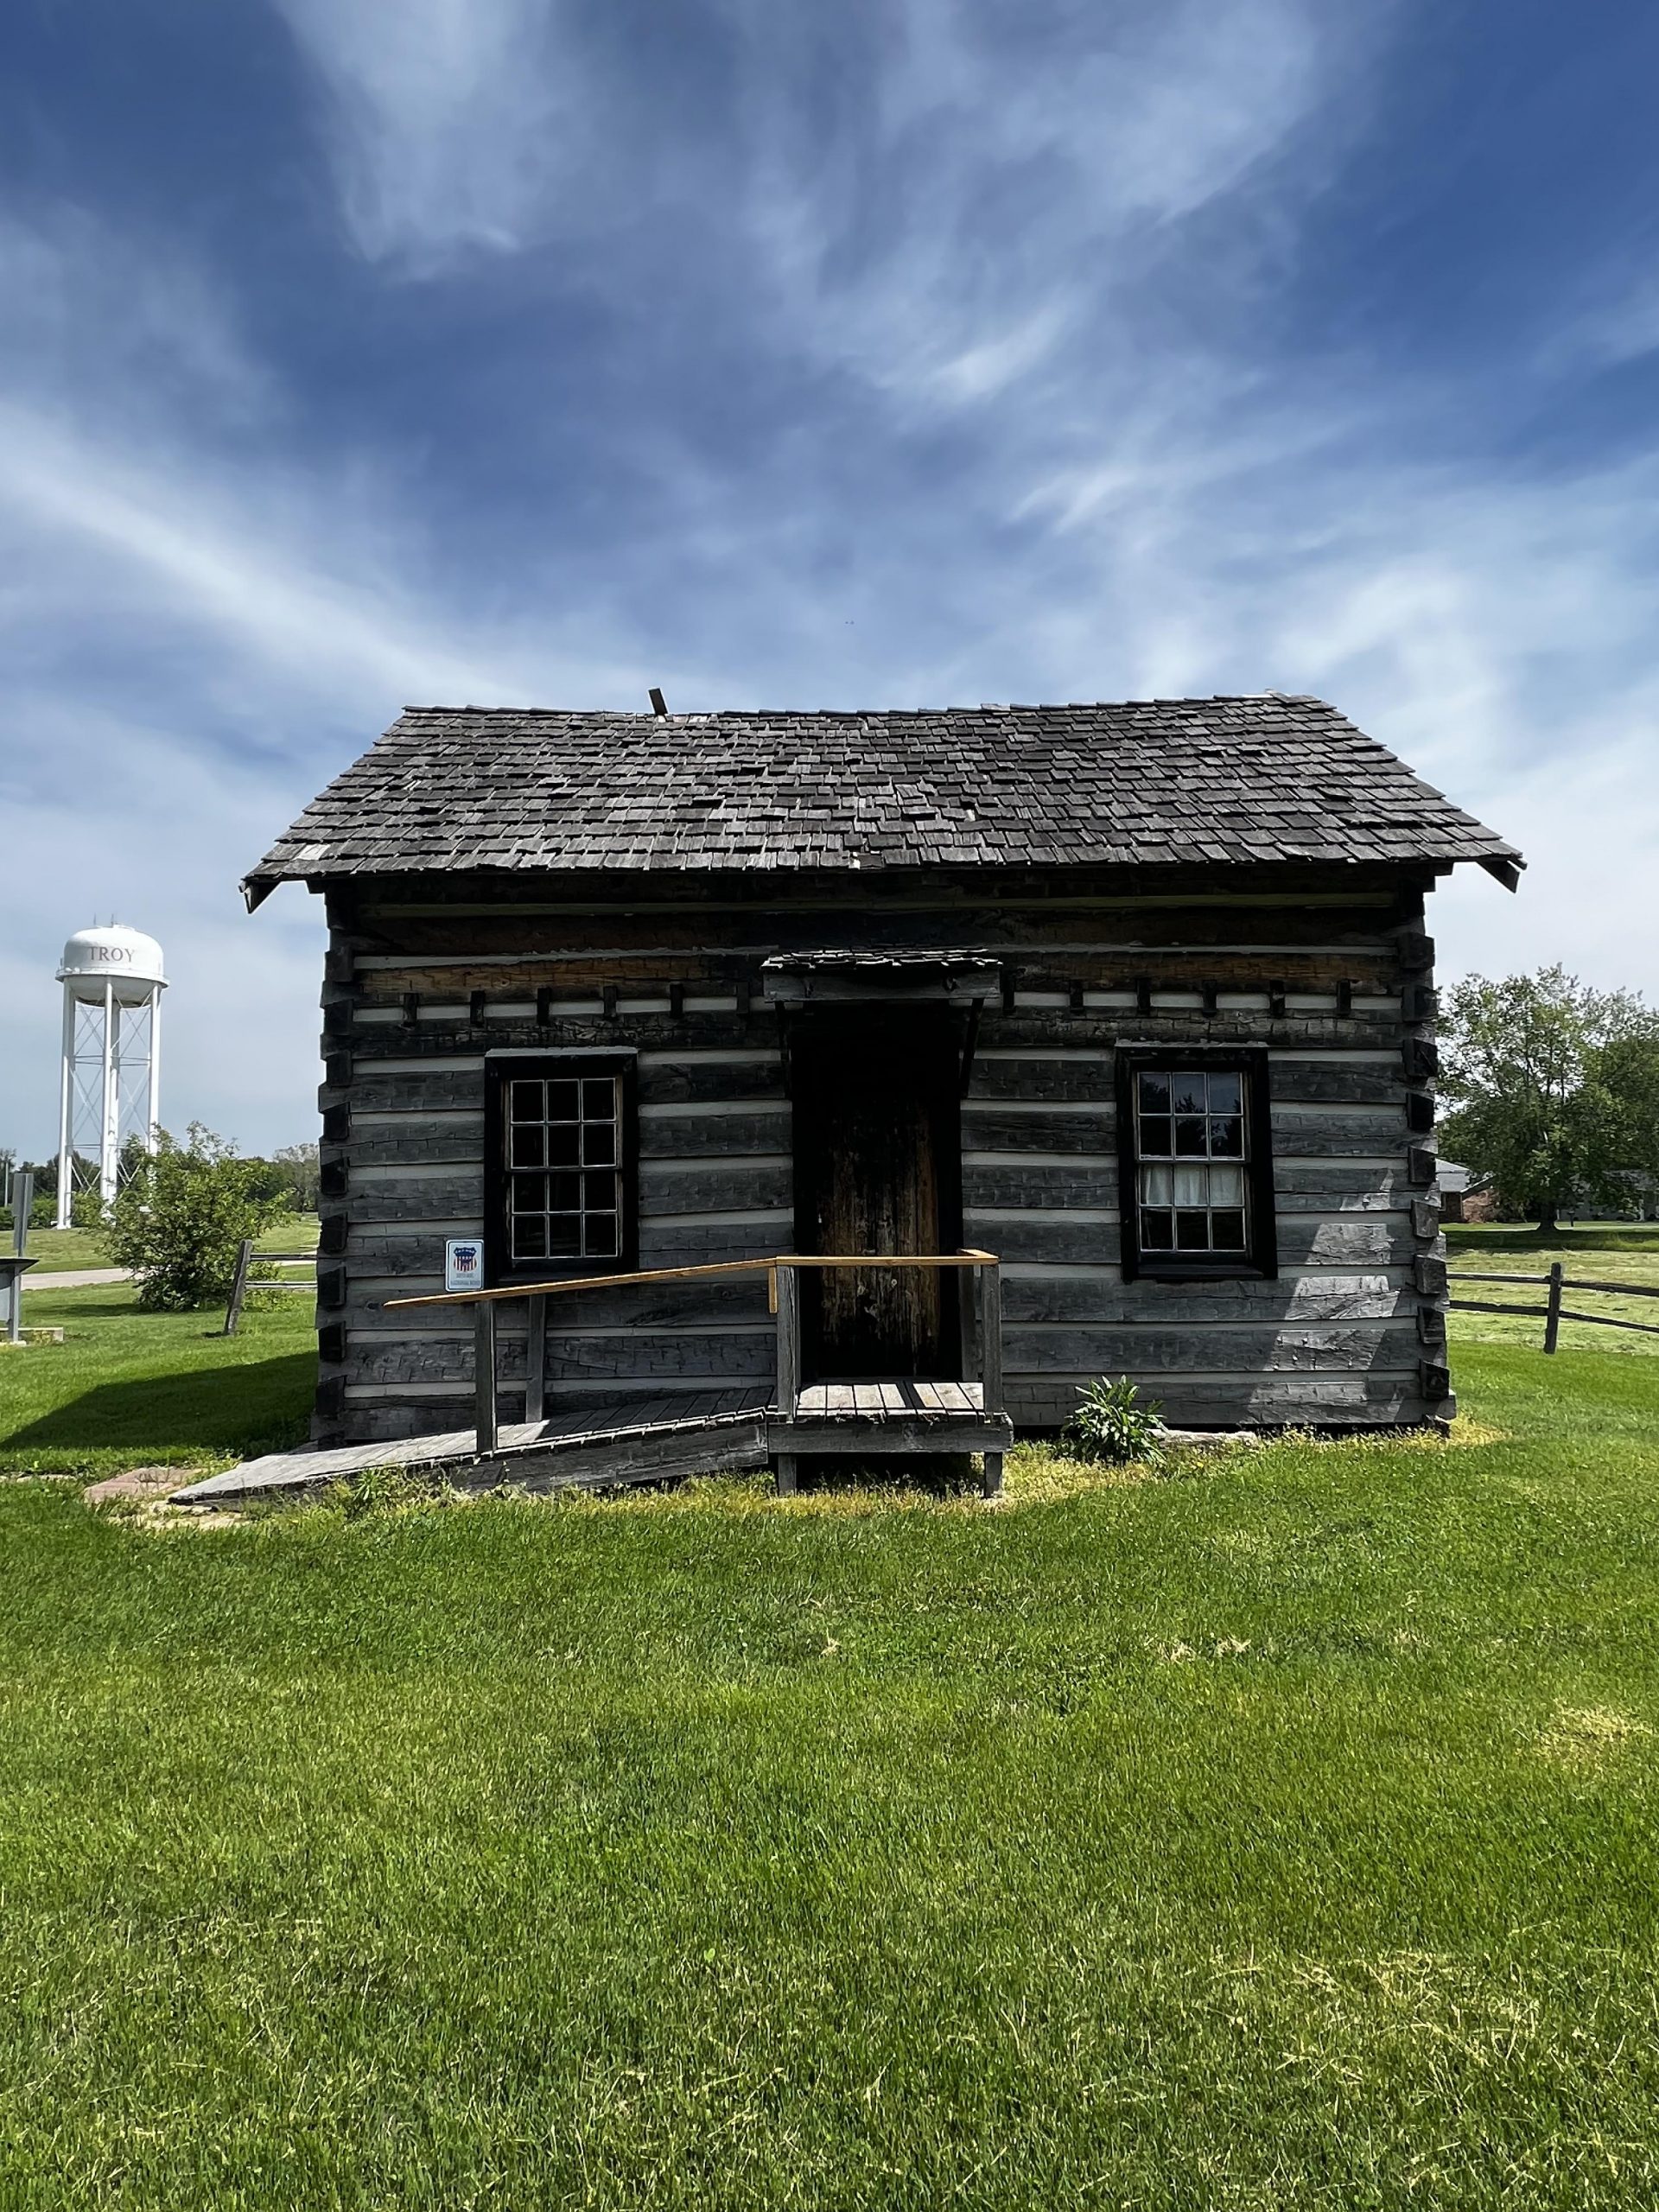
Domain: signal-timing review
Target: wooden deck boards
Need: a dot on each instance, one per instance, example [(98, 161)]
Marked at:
[(546, 1442)]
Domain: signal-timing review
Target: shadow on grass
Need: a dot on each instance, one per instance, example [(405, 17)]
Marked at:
[(264, 1402)]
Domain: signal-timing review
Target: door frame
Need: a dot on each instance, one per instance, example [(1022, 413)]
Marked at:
[(870, 1016)]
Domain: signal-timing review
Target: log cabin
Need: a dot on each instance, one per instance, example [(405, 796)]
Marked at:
[(1138, 999)]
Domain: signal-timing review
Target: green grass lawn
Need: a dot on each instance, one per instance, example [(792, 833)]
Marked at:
[(58, 1250), (126, 1389), (1598, 1252), (1282, 1833)]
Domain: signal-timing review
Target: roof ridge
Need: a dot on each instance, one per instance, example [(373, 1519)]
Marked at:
[(880, 714)]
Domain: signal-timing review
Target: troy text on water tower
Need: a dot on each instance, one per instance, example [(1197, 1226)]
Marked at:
[(111, 1078)]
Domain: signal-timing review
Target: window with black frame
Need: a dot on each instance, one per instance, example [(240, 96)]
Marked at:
[(560, 1146), (1197, 1195)]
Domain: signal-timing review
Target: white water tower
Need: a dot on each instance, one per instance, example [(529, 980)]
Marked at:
[(112, 984)]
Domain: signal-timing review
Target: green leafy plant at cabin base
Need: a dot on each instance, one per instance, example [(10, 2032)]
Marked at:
[(178, 1221), (1112, 1425)]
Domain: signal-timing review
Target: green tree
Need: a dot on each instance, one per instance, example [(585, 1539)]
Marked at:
[(177, 1222), (1554, 1089), (302, 1175)]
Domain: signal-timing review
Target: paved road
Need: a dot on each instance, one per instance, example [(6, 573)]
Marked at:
[(75, 1279)]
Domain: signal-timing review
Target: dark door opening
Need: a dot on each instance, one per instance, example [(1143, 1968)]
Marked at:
[(878, 1168)]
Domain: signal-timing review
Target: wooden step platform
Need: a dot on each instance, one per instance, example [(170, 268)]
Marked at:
[(654, 1440), (884, 1418)]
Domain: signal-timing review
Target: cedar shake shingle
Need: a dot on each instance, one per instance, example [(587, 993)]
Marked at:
[(1245, 781)]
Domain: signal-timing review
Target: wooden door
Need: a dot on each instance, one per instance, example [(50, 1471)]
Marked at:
[(878, 1168)]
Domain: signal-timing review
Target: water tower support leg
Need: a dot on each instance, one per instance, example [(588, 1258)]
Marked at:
[(65, 1111), (107, 1145), (153, 1110)]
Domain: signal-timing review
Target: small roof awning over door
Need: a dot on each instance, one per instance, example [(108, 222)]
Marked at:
[(819, 978)]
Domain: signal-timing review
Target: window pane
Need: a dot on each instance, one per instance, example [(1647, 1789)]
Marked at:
[(598, 1098), (1157, 1230), (529, 1194), (563, 1141), (1158, 1186), (1191, 1185), (1227, 1232), (529, 1237), (1226, 1136), (1191, 1132), (564, 1235), (526, 1145), (1226, 1186), (1188, 1088), (599, 1144), (526, 1101), (599, 1192), (1223, 1093), (601, 1237), (1192, 1232), (1154, 1091), (563, 1194), (562, 1100), (1154, 1136)]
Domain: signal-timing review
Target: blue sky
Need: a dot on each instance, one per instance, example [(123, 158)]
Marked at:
[(538, 351)]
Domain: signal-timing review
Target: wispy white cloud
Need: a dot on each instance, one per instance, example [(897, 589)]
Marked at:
[(449, 122), (1013, 182)]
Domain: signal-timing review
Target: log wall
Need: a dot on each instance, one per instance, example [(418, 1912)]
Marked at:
[(1333, 975)]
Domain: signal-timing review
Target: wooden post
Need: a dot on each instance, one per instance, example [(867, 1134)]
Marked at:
[(536, 1358), (1552, 1310), (789, 1342), (484, 1372), (990, 1368), (789, 1365), (238, 1285), (990, 1329), (966, 1280)]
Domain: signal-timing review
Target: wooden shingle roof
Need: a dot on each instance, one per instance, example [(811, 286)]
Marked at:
[(1152, 782)]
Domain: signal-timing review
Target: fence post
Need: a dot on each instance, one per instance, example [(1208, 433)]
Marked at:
[(484, 1373), (536, 1358), (1552, 1310), (240, 1285)]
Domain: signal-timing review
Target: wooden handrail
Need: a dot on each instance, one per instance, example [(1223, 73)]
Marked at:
[(779, 1269), (763, 1265)]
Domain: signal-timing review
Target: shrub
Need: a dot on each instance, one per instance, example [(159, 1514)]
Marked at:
[(176, 1224), (1110, 1425)]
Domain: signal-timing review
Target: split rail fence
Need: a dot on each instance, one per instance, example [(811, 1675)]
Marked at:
[(1552, 1313), (246, 1260)]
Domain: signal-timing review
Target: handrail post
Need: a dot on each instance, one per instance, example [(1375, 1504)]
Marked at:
[(990, 1350), (967, 1285), (536, 1358), (1552, 1310), (990, 1368), (788, 1308), (484, 1373), (789, 1341), (240, 1285)]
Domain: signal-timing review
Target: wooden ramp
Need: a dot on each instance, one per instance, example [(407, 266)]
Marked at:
[(656, 1440)]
